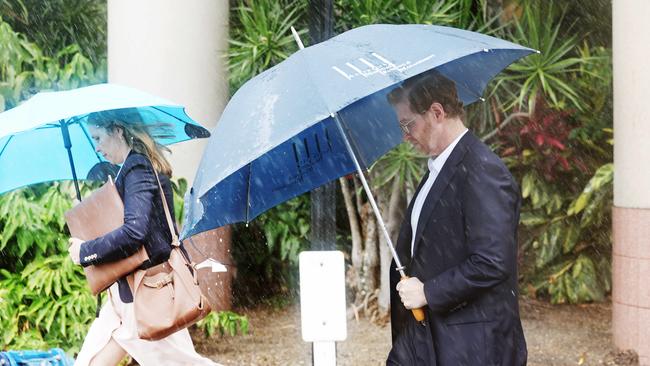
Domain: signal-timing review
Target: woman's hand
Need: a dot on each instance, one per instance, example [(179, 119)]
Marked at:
[(74, 249)]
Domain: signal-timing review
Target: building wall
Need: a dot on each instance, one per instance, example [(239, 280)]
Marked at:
[(174, 49), (631, 213)]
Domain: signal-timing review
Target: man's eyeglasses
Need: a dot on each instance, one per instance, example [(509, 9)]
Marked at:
[(404, 125)]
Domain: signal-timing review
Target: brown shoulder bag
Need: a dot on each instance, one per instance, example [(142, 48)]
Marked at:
[(167, 297), (97, 215)]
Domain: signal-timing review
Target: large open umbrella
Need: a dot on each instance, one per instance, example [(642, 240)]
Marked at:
[(323, 113), (46, 138)]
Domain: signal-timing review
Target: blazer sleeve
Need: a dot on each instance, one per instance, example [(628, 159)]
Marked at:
[(140, 188), (490, 209)]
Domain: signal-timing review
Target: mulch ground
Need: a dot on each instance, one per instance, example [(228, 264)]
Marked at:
[(557, 335)]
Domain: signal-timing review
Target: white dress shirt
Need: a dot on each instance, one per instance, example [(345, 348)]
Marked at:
[(435, 164)]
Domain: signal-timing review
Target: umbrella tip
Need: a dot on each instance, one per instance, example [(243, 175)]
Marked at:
[(196, 132), (486, 50), (538, 52), (296, 37), (481, 99)]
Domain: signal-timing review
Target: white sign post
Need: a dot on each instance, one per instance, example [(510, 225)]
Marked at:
[(322, 303)]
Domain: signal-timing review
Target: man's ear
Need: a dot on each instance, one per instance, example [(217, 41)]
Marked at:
[(438, 110)]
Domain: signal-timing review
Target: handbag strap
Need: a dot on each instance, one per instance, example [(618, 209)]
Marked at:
[(175, 242)]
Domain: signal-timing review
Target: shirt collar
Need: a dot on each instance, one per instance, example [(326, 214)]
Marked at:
[(435, 163)]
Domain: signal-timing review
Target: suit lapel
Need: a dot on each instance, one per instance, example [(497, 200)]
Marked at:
[(404, 239), (441, 182)]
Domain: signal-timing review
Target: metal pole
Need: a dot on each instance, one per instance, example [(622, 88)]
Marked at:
[(321, 20), (68, 146), (67, 143), (417, 313), (371, 198), (323, 198)]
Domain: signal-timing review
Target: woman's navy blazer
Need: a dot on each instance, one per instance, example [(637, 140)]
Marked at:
[(144, 220)]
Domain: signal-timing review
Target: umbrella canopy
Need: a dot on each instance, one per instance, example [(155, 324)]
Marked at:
[(32, 146), (290, 129)]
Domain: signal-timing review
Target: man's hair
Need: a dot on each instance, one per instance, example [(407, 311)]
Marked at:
[(427, 88)]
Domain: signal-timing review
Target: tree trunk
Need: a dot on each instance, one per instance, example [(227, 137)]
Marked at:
[(356, 255), (370, 254), (394, 214)]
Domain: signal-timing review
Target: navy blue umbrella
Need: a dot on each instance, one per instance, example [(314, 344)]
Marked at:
[(322, 114)]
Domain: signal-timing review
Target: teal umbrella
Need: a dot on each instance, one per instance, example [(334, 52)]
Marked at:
[(46, 138)]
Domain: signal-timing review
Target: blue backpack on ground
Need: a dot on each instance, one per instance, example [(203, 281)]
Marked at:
[(53, 357)]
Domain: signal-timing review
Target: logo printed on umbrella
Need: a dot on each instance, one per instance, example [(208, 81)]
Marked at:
[(383, 68), (307, 159)]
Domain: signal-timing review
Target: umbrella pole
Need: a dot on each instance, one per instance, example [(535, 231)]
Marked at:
[(417, 313), (68, 146)]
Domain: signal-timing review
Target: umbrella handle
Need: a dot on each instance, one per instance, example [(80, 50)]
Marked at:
[(418, 313)]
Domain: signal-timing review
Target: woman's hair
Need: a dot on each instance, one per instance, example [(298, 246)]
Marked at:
[(423, 90), (139, 136)]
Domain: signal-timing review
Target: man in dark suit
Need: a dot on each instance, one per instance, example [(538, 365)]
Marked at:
[(458, 241)]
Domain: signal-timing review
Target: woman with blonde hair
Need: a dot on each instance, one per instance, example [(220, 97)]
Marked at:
[(122, 137)]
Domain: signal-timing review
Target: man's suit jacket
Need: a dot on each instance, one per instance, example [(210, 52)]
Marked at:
[(465, 253), (144, 220)]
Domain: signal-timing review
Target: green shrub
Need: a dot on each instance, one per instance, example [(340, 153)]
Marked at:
[(224, 322)]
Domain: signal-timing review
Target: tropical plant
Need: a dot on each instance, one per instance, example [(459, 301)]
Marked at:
[(286, 229), (403, 163), (427, 12), (266, 251), (179, 188), (261, 37), (350, 13), (32, 224), (592, 19), (25, 70), (56, 24), (45, 299), (549, 72), (565, 169), (467, 14), (46, 305), (572, 244), (225, 322), (484, 16)]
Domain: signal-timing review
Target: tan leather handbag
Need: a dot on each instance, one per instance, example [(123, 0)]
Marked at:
[(97, 215), (167, 297)]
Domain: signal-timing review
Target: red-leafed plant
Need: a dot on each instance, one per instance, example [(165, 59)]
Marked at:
[(542, 141)]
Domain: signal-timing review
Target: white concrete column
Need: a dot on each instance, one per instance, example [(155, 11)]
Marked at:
[(174, 49), (631, 214)]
